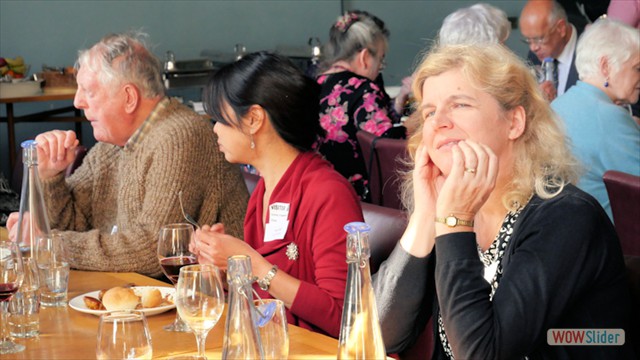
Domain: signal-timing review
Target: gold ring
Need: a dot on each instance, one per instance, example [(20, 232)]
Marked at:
[(470, 170)]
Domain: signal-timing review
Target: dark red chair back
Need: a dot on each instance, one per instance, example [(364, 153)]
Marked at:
[(624, 197), (385, 159)]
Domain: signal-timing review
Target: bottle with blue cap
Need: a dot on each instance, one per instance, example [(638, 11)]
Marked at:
[(549, 70), (360, 335), (33, 221)]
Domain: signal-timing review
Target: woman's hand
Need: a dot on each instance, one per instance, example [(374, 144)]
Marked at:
[(214, 246), (56, 151), (472, 178), (419, 237)]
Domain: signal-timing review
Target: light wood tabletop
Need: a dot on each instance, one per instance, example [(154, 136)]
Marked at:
[(69, 334)]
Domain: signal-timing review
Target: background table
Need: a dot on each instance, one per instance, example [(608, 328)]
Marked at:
[(68, 334), (41, 116)]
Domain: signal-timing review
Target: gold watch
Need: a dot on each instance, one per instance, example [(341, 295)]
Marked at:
[(453, 221)]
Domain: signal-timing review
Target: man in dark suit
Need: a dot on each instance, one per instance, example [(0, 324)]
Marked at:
[(549, 34)]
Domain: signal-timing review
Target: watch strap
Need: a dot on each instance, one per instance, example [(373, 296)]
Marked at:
[(453, 221), (265, 282)]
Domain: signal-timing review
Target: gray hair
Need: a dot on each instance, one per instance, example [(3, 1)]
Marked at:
[(606, 38), (125, 58), (479, 23), (557, 13), (352, 32)]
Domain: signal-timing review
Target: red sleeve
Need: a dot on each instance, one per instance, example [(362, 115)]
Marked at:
[(330, 206)]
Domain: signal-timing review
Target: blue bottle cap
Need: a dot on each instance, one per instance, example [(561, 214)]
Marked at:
[(354, 227), (28, 144)]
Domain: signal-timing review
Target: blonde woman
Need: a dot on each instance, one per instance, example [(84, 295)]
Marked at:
[(500, 247)]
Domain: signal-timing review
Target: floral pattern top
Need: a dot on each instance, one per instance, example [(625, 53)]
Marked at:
[(348, 103)]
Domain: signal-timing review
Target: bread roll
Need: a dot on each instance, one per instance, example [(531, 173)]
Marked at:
[(151, 298), (119, 298)]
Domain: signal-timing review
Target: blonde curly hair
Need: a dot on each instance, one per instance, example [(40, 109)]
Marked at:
[(543, 162)]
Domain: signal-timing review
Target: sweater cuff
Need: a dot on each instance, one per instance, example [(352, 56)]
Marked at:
[(456, 246)]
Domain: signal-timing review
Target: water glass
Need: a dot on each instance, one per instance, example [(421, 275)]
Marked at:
[(274, 335), (123, 335), (24, 306), (53, 267)]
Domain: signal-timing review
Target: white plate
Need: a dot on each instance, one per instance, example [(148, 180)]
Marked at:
[(77, 303)]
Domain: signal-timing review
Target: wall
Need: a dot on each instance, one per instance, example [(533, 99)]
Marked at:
[(51, 32)]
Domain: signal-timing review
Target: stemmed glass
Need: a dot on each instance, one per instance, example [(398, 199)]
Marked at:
[(173, 254), (11, 275), (200, 300)]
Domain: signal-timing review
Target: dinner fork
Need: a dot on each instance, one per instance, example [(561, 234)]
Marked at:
[(186, 216)]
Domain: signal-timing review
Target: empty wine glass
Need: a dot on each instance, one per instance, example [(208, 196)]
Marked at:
[(124, 335), (200, 300), (11, 275), (173, 254)]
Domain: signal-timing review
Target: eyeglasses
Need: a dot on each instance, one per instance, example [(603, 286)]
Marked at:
[(383, 64), (539, 40)]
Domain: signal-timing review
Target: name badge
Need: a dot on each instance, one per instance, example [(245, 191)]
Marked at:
[(278, 223)]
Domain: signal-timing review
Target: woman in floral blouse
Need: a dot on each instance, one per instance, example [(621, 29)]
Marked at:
[(353, 97)]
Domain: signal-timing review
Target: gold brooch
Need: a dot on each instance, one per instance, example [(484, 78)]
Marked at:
[(292, 251)]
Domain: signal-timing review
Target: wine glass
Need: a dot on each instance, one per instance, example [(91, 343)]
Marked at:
[(173, 254), (200, 300), (11, 275), (123, 335)]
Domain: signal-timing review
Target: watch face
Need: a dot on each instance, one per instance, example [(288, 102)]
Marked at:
[(451, 221)]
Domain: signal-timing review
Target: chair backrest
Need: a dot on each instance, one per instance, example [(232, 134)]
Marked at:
[(384, 159), (624, 196), (391, 156), (387, 226), (367, 141)]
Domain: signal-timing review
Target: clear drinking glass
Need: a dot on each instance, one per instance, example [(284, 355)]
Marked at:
[(53, 267), (123, 335), (274, 334), (11, 274), (24, 306), (173, 254), (200, 300)]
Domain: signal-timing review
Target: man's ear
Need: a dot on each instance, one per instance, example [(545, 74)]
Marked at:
[(518, 120), (132, 98)]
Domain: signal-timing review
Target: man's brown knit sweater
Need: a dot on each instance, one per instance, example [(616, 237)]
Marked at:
[(111, 209)]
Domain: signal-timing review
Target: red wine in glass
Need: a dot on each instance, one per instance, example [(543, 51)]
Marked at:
[(171, 266), (7, 290)]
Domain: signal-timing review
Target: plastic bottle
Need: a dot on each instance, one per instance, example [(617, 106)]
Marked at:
[(33, 221), (241, 337), (360, 335), (549, 70)]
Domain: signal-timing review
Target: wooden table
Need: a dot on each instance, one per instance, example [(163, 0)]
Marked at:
[(49, 115), (68, 334)]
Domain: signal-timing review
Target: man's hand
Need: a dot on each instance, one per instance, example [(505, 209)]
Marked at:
[(56, 151)]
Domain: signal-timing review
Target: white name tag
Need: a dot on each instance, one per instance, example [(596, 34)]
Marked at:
[(275, 230), (278, 223)]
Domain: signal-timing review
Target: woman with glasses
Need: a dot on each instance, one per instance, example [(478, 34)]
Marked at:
[(352, 97)]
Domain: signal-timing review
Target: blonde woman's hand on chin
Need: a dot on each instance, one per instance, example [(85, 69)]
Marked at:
[(472, 178), (419, 238)]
